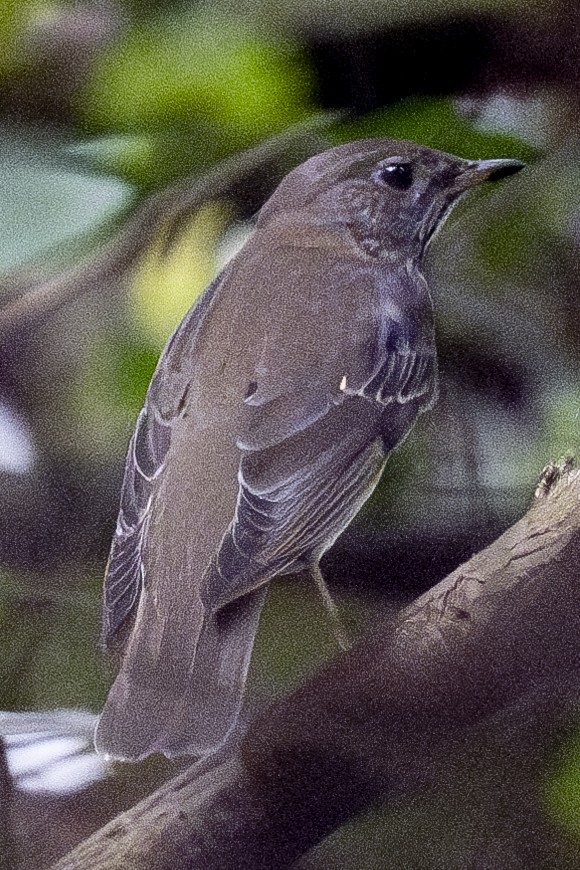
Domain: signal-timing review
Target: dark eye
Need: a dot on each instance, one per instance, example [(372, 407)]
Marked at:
[(397, 175)]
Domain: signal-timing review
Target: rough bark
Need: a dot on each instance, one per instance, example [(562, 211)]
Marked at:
[(500, 631)]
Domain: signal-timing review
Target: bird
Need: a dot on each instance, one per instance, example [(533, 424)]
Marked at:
[(266, 426)]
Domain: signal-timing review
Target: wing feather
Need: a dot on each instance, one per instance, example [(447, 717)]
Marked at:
[(144, 465), (299, 490)]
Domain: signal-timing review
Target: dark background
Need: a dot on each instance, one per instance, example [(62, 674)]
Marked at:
[(104, 103)]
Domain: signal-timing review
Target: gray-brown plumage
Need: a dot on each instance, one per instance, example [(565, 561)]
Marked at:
[(267, 425)]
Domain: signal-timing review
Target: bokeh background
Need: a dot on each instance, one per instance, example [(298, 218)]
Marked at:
[(103, 105)]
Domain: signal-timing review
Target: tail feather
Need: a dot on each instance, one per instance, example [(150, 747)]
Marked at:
[(180, 692)]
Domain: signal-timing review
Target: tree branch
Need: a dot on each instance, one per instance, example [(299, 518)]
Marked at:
[(374, 723)]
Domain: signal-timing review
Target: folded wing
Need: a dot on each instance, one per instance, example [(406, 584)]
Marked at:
[(312, 453)]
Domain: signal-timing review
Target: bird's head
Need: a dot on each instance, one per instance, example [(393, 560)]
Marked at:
[(390, 196)]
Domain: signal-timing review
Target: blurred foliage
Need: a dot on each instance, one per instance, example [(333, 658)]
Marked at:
[(50, 644), (15, 16), (356, 16), (102, 103), (562, 789), (46, 202), (215, 84), (201, 65), (436, 123), (284, 656), (166, 283)]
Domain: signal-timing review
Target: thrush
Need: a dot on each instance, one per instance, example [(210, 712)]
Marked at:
[(267, 425)]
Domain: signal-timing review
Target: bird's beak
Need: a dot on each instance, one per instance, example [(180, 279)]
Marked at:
[(477, 171)]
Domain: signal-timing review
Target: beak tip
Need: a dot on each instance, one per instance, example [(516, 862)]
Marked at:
[(503, 169), (478, 171)]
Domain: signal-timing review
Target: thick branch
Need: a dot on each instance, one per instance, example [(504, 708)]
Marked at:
[(375, 721)]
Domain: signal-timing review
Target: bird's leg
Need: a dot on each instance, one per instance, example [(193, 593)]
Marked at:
[(340, 633)]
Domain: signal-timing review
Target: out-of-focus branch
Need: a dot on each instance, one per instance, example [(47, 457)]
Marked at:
[(166, 210), (8, 860), (497, 632)]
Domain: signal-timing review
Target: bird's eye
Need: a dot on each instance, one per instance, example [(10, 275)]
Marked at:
[(397, 175)]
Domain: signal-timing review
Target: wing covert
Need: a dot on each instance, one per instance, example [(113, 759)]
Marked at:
[(405, 368), (313, 453)]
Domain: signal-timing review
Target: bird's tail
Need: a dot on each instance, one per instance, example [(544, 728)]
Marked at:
[(180, 692)]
